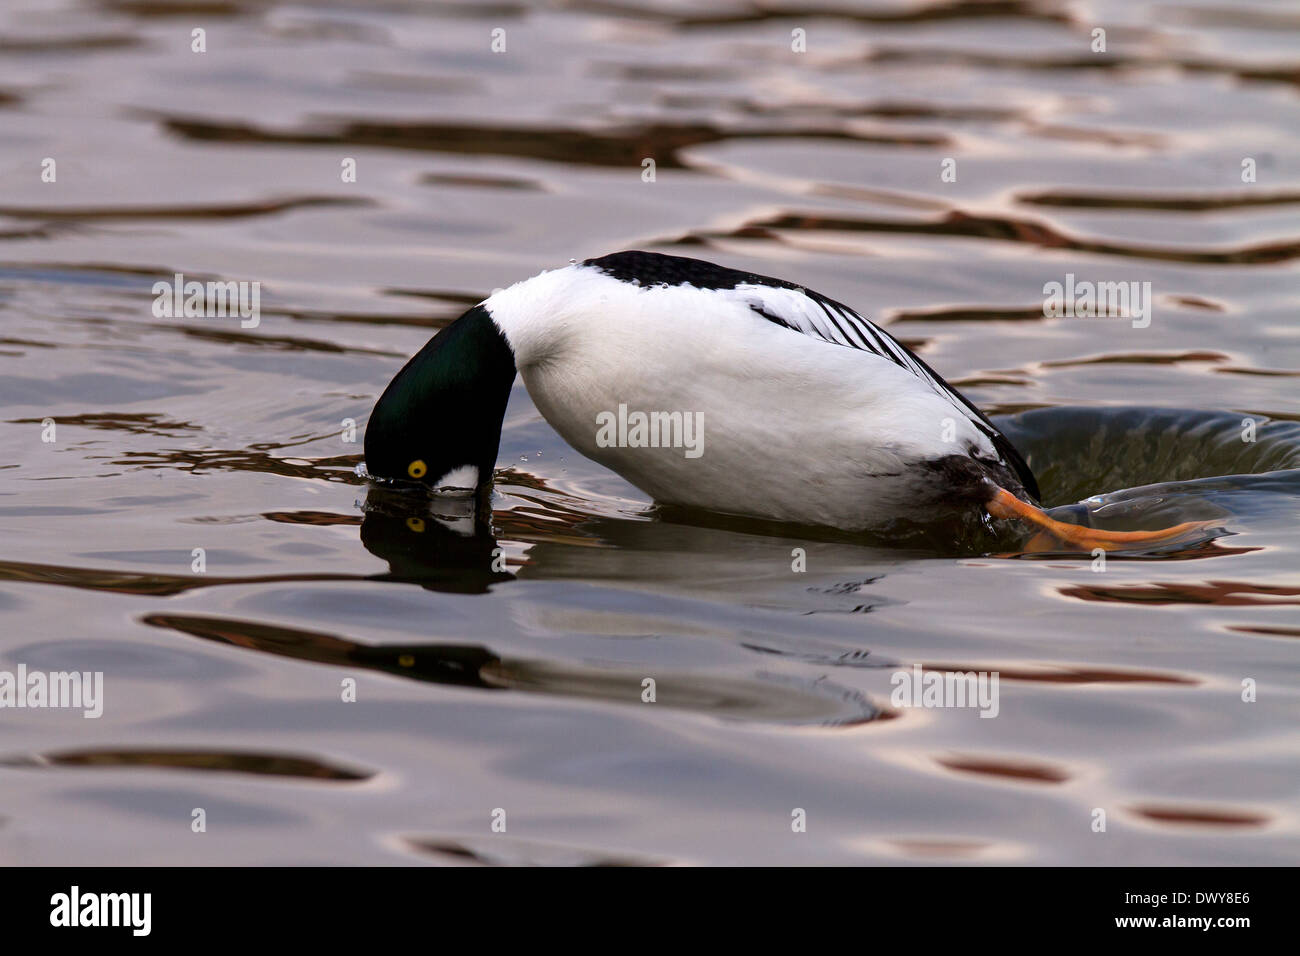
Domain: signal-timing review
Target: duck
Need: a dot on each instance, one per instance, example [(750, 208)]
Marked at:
[(711, 388)]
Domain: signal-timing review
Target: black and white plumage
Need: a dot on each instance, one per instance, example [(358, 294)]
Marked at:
[(803, 310), (810, 412)]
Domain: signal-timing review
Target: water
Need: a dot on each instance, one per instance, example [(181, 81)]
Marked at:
[(483, 686)]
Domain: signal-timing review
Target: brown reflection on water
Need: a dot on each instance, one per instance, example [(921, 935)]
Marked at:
[(1139, 358), (1123, 138), (936, 848), (684, 16), (137, 423), (1197, 302), (317, 518), (430, 321), (1265, 630), (1030, 314), (69, 44), (998, 228), (340, 468), (1185, 202), (264, 207), (135, 582), (260, 764), (511, 851), (1062, 674), (1200, 816), (1267, 372), (878, 109), (1114, 60), (623, 148), (1218, 593), (281, 343), (463, 180), (1017, 770)]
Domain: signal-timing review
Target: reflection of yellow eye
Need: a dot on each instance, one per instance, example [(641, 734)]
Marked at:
[(415, 524), (417, 468)]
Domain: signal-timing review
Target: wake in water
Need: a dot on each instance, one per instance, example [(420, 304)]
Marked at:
[(1167, 465)]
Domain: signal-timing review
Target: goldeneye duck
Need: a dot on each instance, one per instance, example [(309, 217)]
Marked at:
[(711, 388)]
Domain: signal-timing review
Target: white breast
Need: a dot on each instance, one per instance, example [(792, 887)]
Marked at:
[(793, 428)]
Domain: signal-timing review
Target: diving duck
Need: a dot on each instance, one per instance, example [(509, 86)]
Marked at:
[(710, 388)]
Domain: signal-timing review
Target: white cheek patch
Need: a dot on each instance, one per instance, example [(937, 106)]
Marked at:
[(458, 481), (465, 527)]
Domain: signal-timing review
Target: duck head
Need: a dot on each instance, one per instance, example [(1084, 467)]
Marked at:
[(439, 421)]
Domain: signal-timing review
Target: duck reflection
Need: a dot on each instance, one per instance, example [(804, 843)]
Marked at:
[(444, 545), (762, 696), (457, 545)]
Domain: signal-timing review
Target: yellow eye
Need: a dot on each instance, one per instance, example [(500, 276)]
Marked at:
[(417, 468), (415, 524), (407, 660)]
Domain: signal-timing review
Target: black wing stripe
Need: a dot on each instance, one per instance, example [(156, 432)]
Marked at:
[(844, 336), (887, 346), (883, 346), (885, 350), (857, 329)]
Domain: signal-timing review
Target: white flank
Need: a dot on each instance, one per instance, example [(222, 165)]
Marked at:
[(800, 427)]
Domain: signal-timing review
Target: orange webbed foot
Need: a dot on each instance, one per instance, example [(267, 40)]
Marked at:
[(1005, 505)]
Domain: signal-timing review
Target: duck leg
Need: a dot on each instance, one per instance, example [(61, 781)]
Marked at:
[(1005, 505)]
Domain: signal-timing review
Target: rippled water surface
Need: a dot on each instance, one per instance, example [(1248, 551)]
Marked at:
[(483, 686)]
